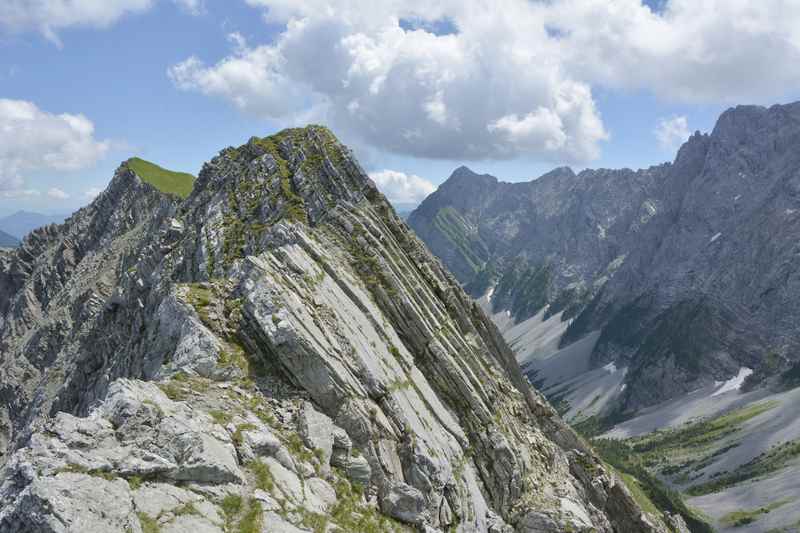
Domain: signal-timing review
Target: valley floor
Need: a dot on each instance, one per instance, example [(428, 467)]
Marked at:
[(727, 457)]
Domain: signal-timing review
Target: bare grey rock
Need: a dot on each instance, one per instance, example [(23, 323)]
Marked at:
[(682, 268), (405, 503), (71, 502), (234, 344)]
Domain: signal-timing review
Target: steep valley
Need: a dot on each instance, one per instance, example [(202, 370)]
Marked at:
[(656, 309)]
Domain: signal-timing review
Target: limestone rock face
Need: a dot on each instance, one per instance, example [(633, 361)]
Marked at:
[(279, 352), (683, 268)]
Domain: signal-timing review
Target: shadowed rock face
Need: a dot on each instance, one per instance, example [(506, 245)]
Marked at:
[(277, 350), (687, 268)]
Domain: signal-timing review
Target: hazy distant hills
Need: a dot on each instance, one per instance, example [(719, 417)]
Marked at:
[(8, 241), (19, 224)]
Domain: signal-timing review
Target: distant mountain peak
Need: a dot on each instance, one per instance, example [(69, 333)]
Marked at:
[(21, 223), (636, 254), (8, 241)]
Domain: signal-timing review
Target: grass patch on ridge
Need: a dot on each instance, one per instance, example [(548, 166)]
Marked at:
[(167, 181)]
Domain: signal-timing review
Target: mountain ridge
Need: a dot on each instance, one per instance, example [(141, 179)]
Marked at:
[(586, 243), (327, 367), (20, 223)]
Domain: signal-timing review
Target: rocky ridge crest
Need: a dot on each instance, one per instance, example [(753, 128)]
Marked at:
[(277, 352)]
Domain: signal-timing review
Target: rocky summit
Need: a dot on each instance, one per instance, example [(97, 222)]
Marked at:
[(671, 278), (274, 352)]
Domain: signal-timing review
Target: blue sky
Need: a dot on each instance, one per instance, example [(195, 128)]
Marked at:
[(592, 97)]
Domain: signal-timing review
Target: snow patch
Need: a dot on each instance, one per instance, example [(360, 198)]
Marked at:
[(715, 237), (736, 198), (623, 387), (734, 383), (610, 367)]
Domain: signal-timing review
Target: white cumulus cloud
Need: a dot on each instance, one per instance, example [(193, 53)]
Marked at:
[(402, 188), (408, 88), (672, 132), (33, 140), (193, 7), (57, 194), (92, 192), (465, 79), (50, 16), (19, 193), (729, 51)]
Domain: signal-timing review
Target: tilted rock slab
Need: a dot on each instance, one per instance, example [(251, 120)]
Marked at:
[(303, 340)]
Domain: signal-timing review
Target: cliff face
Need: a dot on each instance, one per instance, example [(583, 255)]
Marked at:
[(276, 352), (682, 273)]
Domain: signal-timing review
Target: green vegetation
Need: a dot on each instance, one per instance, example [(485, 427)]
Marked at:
[(295, 207), (571, 301), (651, 494), (240, 429), (398, 384), (200, 297), (264, 479), (182, 386), (350, 512), (185, 509), (698, 436), (760, 466), (458, 232), (249, 513), (791, 378), (148, 523), (524, 288), (78, 469), (639, 494), (296, 447), (231, 505), (316, 522), (791, 528), (176, 183), (743, 518), (220, 417), (682, 452), (206, 299), (253, 518), (367, 265)]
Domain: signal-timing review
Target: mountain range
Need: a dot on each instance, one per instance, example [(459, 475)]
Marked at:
[(20, 223), (650, 299), (8, 241), (270, 348)]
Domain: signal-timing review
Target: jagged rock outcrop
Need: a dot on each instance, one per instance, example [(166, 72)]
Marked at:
[(686, 269), (276, 352)]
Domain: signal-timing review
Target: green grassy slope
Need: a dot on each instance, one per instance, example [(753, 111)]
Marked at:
[(169, 182), (679, 454)]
